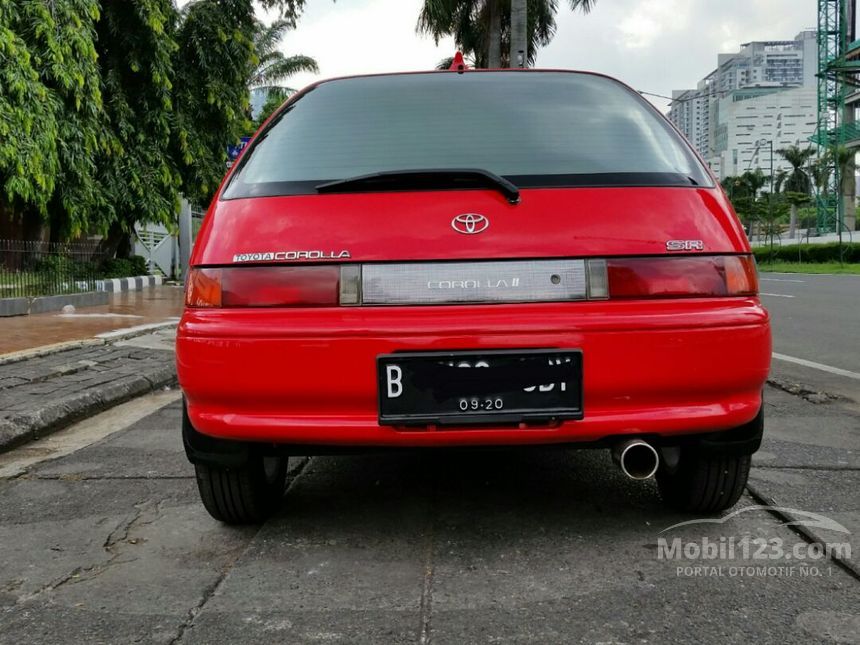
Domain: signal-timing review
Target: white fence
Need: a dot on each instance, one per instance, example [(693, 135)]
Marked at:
[(167, 251)]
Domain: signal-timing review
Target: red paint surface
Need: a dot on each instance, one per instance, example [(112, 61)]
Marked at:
[(549, 222), (663, 367)]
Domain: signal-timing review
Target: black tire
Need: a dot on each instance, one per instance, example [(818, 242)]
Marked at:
[(246, 495), (704, 482)]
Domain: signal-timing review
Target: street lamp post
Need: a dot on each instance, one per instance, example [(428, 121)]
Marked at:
[(770, 197), (770, 144), (758, 145)]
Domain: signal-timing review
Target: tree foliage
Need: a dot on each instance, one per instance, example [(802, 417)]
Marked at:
[(798, 180), (136, 53), (274, 99), (273, 67), (110, 110), (743, 191), (28, 125), (289, 10), (471, 23), (50, 109), (215, 57)]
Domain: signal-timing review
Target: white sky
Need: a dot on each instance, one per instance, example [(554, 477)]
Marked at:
[(653, 45)]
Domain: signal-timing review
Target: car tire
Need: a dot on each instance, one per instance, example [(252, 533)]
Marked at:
[(704, 482), (246, 495)]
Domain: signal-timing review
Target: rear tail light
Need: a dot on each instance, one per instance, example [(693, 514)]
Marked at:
[(472, 282), (312, 286), (203, 288), (673, 277)]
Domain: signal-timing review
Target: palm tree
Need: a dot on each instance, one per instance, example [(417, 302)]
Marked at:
[(482, 28), (494, 35), (468, 21), (520, 23), (519, 33), (273, 67), (847, 188), (779, 179), (743, 191), (798, 180), (798, 186)]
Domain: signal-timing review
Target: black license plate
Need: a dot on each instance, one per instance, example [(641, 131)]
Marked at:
[(480, 387)]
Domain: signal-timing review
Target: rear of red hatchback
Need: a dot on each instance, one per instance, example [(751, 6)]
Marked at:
[(476, 259)]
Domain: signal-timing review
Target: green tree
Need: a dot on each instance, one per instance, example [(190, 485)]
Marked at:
[(290, 10), (798, 180), (50, 114), (482, 28), (110, 110), (136, 52), (743, 191), (214, 59), (847, 188), (28, 124), (779, 179), (273, 67), (798, 185), (274, 99), (819, 172)]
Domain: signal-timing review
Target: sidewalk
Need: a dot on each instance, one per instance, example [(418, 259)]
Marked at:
[(42, 393), (126, 309)]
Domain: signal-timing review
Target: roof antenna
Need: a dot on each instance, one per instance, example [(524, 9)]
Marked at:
[(458, 64)]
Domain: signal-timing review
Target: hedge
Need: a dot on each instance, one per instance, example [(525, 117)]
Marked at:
[(813, 253), (123, 267)]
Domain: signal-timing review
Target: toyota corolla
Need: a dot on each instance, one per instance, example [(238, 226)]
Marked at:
[(488, 258)]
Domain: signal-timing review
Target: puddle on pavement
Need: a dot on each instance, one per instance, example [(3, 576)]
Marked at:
[(126, 309)]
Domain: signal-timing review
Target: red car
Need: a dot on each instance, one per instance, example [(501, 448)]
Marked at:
[(484, 258)]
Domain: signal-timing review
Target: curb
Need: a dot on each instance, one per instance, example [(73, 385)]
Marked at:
[(101, 339), (44, 304), (136, 283), (46, 350), (101, 296), (60, 413), (810, 535)]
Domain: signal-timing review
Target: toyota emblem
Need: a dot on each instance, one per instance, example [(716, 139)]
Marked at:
[(470, 223)]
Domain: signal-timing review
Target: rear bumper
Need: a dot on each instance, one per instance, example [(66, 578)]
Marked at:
[(659, 368)]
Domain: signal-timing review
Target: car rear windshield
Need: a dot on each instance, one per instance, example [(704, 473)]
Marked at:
[(537, 129)]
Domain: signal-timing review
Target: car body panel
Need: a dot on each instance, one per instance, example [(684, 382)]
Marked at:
[(663, 367), (549, 222)]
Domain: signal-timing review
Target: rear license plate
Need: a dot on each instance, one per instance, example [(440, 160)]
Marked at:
[(479, 387)]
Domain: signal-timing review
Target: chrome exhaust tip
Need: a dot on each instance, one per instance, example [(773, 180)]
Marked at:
[(637, 459)]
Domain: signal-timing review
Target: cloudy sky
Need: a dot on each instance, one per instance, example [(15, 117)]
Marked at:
[(654, 45)]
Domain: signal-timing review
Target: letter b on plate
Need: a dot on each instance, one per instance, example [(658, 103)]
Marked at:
[(393, 379)]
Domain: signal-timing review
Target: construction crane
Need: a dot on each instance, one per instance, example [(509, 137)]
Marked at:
[(838, 69)]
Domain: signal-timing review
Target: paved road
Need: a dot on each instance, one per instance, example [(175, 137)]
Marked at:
[(102, 539), (815, 317)]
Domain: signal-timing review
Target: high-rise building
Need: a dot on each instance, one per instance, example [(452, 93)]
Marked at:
[(779, 63), (725, 132), (746, 122), (690, 114)]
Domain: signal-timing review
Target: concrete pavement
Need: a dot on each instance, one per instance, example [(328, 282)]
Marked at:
[(110, 544), (42, 393)]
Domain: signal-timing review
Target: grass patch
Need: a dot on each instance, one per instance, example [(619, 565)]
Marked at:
[(809, 267)]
